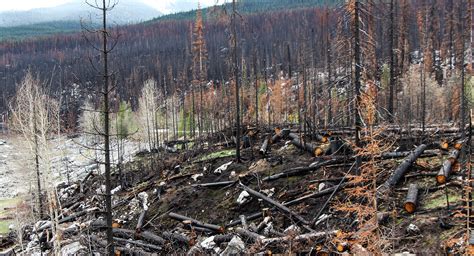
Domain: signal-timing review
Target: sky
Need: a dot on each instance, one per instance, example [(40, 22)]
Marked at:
[(163, 6)]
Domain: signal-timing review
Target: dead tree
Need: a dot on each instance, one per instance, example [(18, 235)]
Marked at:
[(104, 50), (235, 69)]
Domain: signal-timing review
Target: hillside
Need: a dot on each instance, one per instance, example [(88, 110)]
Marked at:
[(65, 19), (15, 25)]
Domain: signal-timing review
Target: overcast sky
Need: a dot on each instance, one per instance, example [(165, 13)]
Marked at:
[(163, 6)]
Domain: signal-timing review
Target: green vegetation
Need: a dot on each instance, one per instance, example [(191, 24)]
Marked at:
[(6, 203), (440, 201), (218, 154), (249, 7), (39, 29)]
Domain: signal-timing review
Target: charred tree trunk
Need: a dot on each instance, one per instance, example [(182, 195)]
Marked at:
[(235, 69), (402, 169)]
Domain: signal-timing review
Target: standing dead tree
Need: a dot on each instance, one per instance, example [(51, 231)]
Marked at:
[(235, 71), (107, 45)]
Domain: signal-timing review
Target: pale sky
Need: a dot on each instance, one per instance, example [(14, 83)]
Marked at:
[(161, 5)]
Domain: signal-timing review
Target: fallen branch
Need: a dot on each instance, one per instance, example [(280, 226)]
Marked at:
[(299, 170), (274, 203), (299, 238), (215, 184), (138, 243), (141, 220)]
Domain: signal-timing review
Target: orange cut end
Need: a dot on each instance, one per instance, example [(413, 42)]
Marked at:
[(441, 179), (410, 207), (318, 152), (444, 145), (324, 139)]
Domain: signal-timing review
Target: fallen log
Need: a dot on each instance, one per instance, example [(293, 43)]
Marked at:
[(458, 144), (411, 199), (138, 243), (68, 218), (257, 215), (279, 134), (141, 220), (299, 238), (299, 170), (215, 184), (218, 239), (274, 203), (309, 147), (447, 166), (178, 238), (426, 153), (144, 235), (402, 169), (196, 222)]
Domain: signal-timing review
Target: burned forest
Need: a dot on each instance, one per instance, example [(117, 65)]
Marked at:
[(237, 127)]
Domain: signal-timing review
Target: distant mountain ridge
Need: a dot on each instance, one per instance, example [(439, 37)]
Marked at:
[(126, 12)]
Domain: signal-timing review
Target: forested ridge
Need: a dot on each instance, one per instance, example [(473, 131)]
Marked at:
[(151, 48)]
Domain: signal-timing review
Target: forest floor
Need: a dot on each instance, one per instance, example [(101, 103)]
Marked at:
[(164, 183)]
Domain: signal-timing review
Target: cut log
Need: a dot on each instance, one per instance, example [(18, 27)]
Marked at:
[(402, 169), (279, 134), (458, 144), (264, 148), (196, 222), (218, 239), (445, 170), (453, 156), (411, 199), (309, 147), (279, 206), (444, 145)]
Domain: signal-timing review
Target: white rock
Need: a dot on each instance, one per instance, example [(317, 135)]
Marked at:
[(115, 190), (196, 176), (235, 247), (292, 229), (222, 168), (72, 249), (208, 243), (268, 192), (143, 196), (243, 197), (413, 229), (321, 186)]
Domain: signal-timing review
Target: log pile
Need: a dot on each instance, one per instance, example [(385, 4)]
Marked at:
[(158, 216)]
